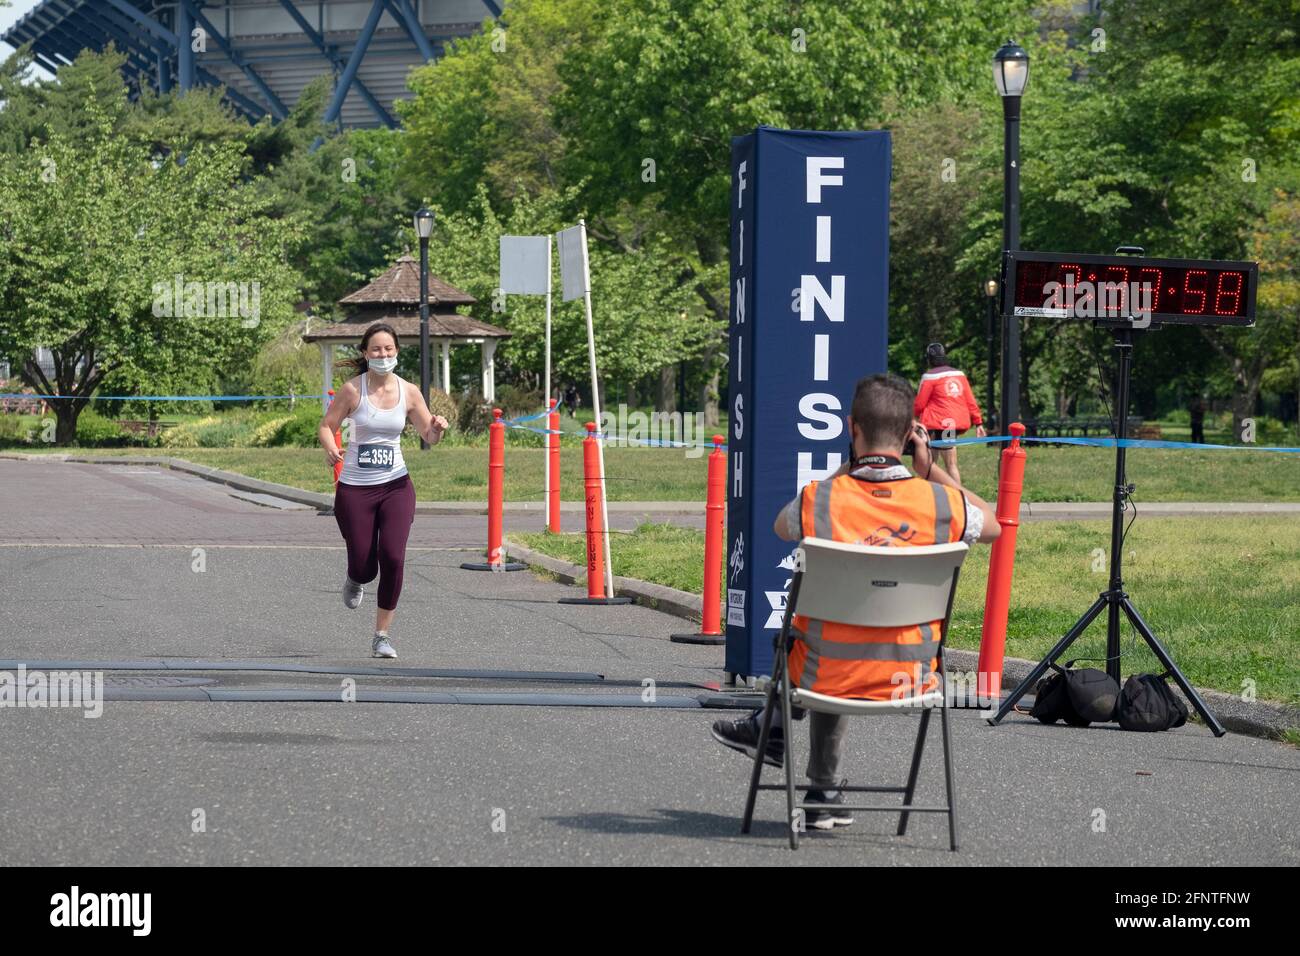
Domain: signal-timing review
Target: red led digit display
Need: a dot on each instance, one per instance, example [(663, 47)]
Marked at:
[(1131, 289)]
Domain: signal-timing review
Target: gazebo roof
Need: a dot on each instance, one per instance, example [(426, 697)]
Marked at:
[(407, 325), (394, 297), (400, 285)]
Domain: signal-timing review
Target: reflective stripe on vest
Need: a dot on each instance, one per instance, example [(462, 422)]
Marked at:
[(874, 662), (822, 510)]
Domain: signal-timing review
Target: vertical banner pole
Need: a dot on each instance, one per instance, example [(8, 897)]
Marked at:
[(809, 212)]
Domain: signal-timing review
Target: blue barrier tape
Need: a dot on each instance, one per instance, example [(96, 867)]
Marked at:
[(171, 398), (526, 418), (1108, 443)]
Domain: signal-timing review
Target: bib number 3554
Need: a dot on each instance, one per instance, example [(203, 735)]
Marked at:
[(375, 456)]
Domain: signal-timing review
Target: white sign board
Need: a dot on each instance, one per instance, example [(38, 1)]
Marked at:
[(525, 261), (573, 262)]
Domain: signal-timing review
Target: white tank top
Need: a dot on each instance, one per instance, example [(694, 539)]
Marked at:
[(374, 453)]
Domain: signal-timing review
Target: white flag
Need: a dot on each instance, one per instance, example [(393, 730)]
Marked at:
[(573, 262), (524, 262)]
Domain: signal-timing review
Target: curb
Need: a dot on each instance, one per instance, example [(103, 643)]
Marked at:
[(324, 501), (656, 596), (1253, 718)]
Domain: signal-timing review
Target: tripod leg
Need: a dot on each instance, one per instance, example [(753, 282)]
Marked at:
[(1112, 638), (1188, 690), (1079, 627)]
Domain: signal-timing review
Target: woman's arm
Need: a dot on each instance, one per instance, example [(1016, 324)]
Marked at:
[(428, 426), (344, 404)]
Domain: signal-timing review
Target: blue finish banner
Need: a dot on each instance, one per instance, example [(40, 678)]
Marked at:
[(809, 317)]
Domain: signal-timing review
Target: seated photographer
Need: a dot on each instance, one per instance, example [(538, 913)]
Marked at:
[(875, 500)]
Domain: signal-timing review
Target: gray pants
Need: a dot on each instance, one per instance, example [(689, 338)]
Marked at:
[(825, 747)]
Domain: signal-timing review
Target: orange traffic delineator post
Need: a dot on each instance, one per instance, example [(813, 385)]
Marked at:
[(496, 499), (997, 596), (553, 456), (592, 479), (338, 441), (711, 628)]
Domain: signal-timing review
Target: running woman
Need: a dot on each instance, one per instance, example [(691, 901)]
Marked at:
[(374, 502)]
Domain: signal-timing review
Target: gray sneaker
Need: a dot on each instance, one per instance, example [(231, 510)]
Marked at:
[(380, 647), (352, 593), (824, 812)]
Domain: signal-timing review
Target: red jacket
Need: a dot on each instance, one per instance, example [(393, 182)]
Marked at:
[(946, 401)]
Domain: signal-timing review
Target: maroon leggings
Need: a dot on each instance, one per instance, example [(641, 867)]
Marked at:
[(375, 521)]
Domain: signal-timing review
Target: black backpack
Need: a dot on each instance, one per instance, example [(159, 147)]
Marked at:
[(1148, 704), (1078, 697)]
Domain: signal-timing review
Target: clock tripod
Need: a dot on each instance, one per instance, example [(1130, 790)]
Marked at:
[(1114, 599)]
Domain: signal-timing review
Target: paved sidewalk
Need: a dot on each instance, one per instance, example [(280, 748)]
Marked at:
[(97, 563)]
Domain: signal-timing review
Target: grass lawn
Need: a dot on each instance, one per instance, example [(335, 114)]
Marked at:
[(1222, 593), (459, 473)]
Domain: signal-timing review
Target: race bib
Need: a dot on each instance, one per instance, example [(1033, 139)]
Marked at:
[(375, 456)]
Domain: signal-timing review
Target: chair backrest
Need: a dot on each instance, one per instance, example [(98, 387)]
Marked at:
[(877, 587)]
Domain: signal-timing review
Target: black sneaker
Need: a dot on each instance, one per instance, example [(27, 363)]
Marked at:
[(826, 814), (743, 735)]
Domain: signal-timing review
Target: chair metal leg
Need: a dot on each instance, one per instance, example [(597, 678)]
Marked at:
[(948, 774), (916, 767), (768, 708), (791, 820)]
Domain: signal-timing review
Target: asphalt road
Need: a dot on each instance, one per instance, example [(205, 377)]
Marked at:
[(98, 564)]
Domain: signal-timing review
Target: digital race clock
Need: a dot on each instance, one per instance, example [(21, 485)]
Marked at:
[(1130, 290)]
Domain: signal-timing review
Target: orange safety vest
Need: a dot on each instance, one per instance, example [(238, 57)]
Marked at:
[(877, 663)]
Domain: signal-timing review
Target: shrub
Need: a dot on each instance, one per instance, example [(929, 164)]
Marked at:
[(185, 435), (514, 401), (474, 414), (13, 430), (265, 434), (93, 430), (299, 431), (226, 432), (440, 403)]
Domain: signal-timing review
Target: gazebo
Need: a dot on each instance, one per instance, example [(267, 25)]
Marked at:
[(394, 297)]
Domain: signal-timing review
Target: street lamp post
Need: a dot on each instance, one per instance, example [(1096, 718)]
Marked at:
[(423, 229), (1010, 73), (990, 325)]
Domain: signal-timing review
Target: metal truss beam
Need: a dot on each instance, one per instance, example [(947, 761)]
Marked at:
[(277, 108), (115, 24), (337, 60), (400, 10)]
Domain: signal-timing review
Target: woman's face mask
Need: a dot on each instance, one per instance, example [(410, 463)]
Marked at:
[(382, 366)]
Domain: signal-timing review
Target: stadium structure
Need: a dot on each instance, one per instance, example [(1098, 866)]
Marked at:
[(262, 52)]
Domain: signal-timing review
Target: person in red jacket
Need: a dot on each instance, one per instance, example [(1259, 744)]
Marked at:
[(945, 405)]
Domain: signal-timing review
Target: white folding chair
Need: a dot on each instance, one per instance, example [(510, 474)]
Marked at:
[(875, 587)]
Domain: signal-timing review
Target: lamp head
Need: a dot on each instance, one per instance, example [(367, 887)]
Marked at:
[(1011, 69), (424, 223)]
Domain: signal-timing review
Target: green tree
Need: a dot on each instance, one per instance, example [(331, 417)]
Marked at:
[(95, 231), (670, 82), (482, 113)]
